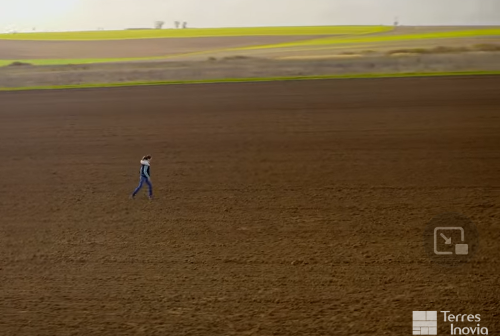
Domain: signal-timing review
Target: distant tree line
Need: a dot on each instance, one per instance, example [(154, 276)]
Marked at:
[(177, 24)]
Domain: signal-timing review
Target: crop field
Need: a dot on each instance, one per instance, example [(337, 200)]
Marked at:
[(197, 32), (249, 80), (227, 54), (282, 208), (79, 61), (196, 44), (381, 38)]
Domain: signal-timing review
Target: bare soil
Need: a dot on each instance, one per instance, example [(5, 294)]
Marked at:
[(292, 208), (25, 50), (362, 48)]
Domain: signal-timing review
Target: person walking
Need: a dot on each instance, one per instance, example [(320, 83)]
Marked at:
[(145, 177)]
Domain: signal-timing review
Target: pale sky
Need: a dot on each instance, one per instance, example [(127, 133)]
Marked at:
[(119, 14)]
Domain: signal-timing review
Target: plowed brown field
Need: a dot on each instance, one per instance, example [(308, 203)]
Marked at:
[(293, 208), (12, 49)]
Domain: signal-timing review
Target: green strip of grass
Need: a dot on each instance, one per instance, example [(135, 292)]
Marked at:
[(381, 38), (196, 32), (255, 79)]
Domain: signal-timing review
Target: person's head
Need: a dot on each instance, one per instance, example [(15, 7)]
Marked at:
[(147, 157)]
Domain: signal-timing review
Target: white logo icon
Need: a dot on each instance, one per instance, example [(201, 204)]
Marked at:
[(460, 249), (425, 323)]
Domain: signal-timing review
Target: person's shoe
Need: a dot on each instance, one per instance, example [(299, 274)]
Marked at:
[(150, 198), (132, 197)]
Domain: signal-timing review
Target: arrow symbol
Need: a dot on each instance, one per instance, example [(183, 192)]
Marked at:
[(447, 241)]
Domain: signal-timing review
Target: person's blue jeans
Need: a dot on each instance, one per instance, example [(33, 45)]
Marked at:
[(141, 183)]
